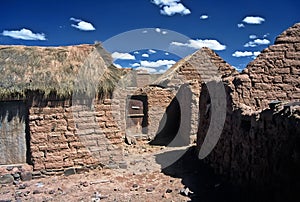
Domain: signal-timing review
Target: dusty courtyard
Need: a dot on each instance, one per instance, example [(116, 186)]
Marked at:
[(142, 180)]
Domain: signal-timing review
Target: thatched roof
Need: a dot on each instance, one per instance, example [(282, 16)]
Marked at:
[(59, 70)]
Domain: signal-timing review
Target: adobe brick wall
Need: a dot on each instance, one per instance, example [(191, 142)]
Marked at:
[(260, 146), (274, 74), (198, 68), (65, 136)]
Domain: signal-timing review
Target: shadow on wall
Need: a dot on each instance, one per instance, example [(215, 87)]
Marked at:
[(175, 126), (256, 151)]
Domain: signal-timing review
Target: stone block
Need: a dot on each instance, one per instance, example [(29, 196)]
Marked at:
[(69, 171), (26, 176), (6, 179)]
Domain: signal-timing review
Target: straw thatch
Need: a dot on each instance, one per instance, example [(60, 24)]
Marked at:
[(62, 71)]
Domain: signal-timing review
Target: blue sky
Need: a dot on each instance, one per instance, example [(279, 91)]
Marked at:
[(236, 30)]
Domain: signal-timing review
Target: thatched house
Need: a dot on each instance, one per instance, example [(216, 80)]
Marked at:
[(49, 117)]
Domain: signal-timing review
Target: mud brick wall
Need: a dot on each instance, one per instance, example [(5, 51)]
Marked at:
[(200, 67), (274, 74), (158, 100), (258, 149), (260, 146), (62, 135)]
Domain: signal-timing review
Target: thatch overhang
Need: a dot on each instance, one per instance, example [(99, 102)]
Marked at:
[(59, 71)]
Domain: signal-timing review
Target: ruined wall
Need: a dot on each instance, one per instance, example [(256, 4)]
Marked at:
[(62, 135), (274, 74), (260, 146), (200, 67), (256, 148)]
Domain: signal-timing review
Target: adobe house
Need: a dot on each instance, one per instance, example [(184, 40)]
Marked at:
[(172, 99), (52, 115)]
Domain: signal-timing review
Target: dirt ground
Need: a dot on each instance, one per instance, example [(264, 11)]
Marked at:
[(142, 180), (153, 173)]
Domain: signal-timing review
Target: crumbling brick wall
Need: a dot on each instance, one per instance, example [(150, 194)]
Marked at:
[(64, 135), (260, 146), (274, 74)]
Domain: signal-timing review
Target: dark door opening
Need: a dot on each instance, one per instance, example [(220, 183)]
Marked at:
[(175, 126), (137, 115), (169, 125)]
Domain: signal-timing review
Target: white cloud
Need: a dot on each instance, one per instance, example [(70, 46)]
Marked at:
[(118, 66), (167, 53), (123, 56), (135, 64), (242, 54), (82, 25), (256, 53), (199, 43), (164, 32), (257, 42), (157, 30), (151, 51), (171, 7), (145, 55), (240, 25), (253, 20), (24, 34), (145, 31), (147, 69), (266, 35), (136, 52), (252, 36), (158, 63), (245, 54), (204, 17)]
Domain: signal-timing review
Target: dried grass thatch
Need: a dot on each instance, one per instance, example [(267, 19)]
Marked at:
[(62, 71)]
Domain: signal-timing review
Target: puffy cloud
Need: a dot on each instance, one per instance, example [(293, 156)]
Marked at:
[(171, 7), (82, 25), (158, 63), (257, 42), (157, 30), (123, 56), (204, 17), (252, 36), (167, 53), (199, 43), (164, 32), (24, 34), (151, 51), (118, 66), (245, 54), (135, 64), (253, 20), (136, 52), (145, 55), (240, 25), (256, 53)]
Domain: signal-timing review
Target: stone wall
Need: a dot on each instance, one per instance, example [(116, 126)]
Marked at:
[(64, 135), (274, 74), (200, 67), (256, 148), (260, 145)]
